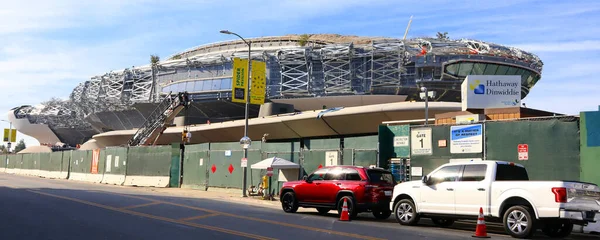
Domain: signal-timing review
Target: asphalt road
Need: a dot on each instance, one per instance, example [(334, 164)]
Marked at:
[(36, 208)]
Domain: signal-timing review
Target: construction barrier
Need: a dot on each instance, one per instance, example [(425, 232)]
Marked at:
[(115, 163), (225, 170), (148, 166), (196, 166), (3, 161), (219, 165), (84, 166)]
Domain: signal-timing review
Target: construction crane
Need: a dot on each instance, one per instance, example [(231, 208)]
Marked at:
[(158, 121)]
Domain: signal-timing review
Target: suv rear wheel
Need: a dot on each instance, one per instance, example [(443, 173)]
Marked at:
[(351, 209), (406, 213), (289, 202)]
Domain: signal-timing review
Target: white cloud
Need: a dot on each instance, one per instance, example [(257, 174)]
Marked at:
[(570, 46)]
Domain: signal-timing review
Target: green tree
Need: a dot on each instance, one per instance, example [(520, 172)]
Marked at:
[(442, 36), (3, 149), (154, 59), (20, 146), (303, 40)]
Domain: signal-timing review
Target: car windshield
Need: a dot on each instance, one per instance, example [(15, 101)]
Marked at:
[(379, 176)]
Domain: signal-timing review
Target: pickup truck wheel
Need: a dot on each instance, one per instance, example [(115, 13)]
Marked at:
[(382, 213), (442, 222), (289, 202), (406, 213), (323, 210), (519, 222), (558, 229), (352, 212)]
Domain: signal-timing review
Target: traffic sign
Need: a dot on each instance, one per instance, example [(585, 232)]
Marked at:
[(523, 150), (270, 171), (244, 162)]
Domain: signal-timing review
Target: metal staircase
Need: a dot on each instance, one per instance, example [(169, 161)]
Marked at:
[(159, 119)]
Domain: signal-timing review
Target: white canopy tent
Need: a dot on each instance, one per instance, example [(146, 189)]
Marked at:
[(287, 169), (275, 163)]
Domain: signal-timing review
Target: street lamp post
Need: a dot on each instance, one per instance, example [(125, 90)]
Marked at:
[(245, 141), (424, 89)]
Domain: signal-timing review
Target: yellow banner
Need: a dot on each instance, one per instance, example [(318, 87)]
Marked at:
[(13, 135), (239, 82), (259, 82)]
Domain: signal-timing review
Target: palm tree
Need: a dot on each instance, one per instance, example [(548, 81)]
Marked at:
[(154, 59)]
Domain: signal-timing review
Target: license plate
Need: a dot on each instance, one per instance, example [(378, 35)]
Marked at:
[(388, 193)]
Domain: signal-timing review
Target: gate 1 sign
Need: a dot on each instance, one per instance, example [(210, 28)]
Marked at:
[(420, 142), (466, 139), (523, 150)]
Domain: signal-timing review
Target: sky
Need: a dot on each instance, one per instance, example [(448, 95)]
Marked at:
[(48, 47)]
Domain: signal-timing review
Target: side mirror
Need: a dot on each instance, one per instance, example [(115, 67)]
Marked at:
[(305, 178), (425, 179)]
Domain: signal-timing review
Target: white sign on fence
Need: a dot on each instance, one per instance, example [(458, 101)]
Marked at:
[(466, 139), (108, 163), (331, 158), (401, 141), (420, 143)]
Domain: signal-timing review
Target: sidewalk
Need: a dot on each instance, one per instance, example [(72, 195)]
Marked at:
[(220, 194)]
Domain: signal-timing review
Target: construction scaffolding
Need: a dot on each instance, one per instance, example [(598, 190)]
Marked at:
[(324, 65), (295, 67), (337, 68)]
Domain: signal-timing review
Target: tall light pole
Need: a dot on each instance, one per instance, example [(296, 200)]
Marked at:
[(245, 141), (424, 89)]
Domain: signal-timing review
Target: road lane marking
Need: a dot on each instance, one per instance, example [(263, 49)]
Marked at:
[(199, 217), (218, 229), (314, 229), (141, 205)]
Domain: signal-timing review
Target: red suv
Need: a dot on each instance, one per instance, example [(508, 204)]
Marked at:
[(365, 189)]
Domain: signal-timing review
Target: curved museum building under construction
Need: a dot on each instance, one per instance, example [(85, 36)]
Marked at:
[(304, 72)]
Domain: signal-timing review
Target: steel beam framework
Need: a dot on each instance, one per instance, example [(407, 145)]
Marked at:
[(337, 68), (295, 68), (320, 68)]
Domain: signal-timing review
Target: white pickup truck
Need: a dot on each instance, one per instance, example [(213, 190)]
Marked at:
[(458, 190)]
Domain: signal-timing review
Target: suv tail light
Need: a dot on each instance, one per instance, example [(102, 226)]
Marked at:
[(370, 189), (560, 194)]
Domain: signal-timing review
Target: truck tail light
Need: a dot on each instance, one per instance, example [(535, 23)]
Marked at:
[(560, 194)]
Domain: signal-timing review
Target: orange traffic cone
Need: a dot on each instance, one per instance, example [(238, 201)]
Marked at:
[(344, 216), (481, 230)]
